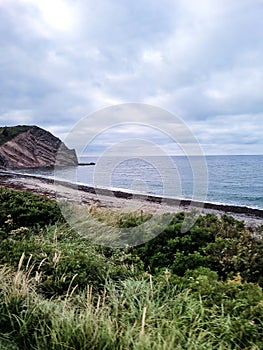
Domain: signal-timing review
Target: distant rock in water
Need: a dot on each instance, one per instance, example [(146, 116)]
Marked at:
[(84, 164), (25, 146)]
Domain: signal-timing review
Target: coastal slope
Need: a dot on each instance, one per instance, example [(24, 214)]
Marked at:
[(25, 146)]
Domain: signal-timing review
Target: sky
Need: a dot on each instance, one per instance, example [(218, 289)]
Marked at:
[(201, 61)]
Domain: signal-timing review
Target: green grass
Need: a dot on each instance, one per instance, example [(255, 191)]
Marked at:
[(59, 291), (140, 316)]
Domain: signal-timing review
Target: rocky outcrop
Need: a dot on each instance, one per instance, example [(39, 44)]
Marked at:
[(35, 148)]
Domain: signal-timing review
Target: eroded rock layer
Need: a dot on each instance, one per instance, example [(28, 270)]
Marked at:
[(35, 148)]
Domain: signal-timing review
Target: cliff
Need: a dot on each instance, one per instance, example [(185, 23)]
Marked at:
[(33, 147)]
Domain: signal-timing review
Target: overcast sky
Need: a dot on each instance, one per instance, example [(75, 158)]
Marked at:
[(202, 60)]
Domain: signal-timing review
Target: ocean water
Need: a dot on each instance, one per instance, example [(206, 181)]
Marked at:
[(235, 180)]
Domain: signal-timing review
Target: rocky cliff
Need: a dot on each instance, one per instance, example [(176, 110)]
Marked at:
[(33, 147)]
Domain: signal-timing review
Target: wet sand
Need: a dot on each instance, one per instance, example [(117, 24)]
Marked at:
[(122, 200)]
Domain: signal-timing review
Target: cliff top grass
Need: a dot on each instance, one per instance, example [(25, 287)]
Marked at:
[(7, 133)]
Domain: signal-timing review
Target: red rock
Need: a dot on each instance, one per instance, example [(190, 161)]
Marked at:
[(36, 148)]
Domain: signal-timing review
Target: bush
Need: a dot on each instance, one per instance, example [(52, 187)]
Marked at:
[(62, 258), (222, 244), (23, 209)]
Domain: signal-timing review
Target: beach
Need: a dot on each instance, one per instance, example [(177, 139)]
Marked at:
[(122, 200)]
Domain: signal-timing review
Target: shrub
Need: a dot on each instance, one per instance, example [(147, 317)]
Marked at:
[(23, 209)]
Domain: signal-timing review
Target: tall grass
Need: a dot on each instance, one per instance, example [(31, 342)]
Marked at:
[(60, 291), (133, 314)]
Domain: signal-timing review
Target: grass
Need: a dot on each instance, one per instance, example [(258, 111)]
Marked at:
[(139, 316), (60, 291), (7, 133)]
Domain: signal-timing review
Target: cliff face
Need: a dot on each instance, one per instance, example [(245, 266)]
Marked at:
[(34, 148)]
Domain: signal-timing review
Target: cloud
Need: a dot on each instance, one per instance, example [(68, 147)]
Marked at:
[(16, 117), (62, 60), (231, 133)]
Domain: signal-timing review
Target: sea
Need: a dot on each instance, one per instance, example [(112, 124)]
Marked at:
[(225, 179)]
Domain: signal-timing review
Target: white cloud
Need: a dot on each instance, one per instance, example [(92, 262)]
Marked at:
[(152, 57), (57, 14), (16, 117), (61, 60), (231, 134)]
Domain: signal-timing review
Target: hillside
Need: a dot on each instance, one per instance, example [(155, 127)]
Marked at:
[(25, 146)]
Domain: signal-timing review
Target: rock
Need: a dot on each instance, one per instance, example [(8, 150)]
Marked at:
[(33, 147), (84, 164)]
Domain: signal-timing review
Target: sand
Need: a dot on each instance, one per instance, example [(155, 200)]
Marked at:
[(122, 200)]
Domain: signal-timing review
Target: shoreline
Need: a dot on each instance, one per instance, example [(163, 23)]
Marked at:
[(122, 200)]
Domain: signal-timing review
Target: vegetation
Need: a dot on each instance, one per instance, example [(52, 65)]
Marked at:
[(7, 133), (197, 290)]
